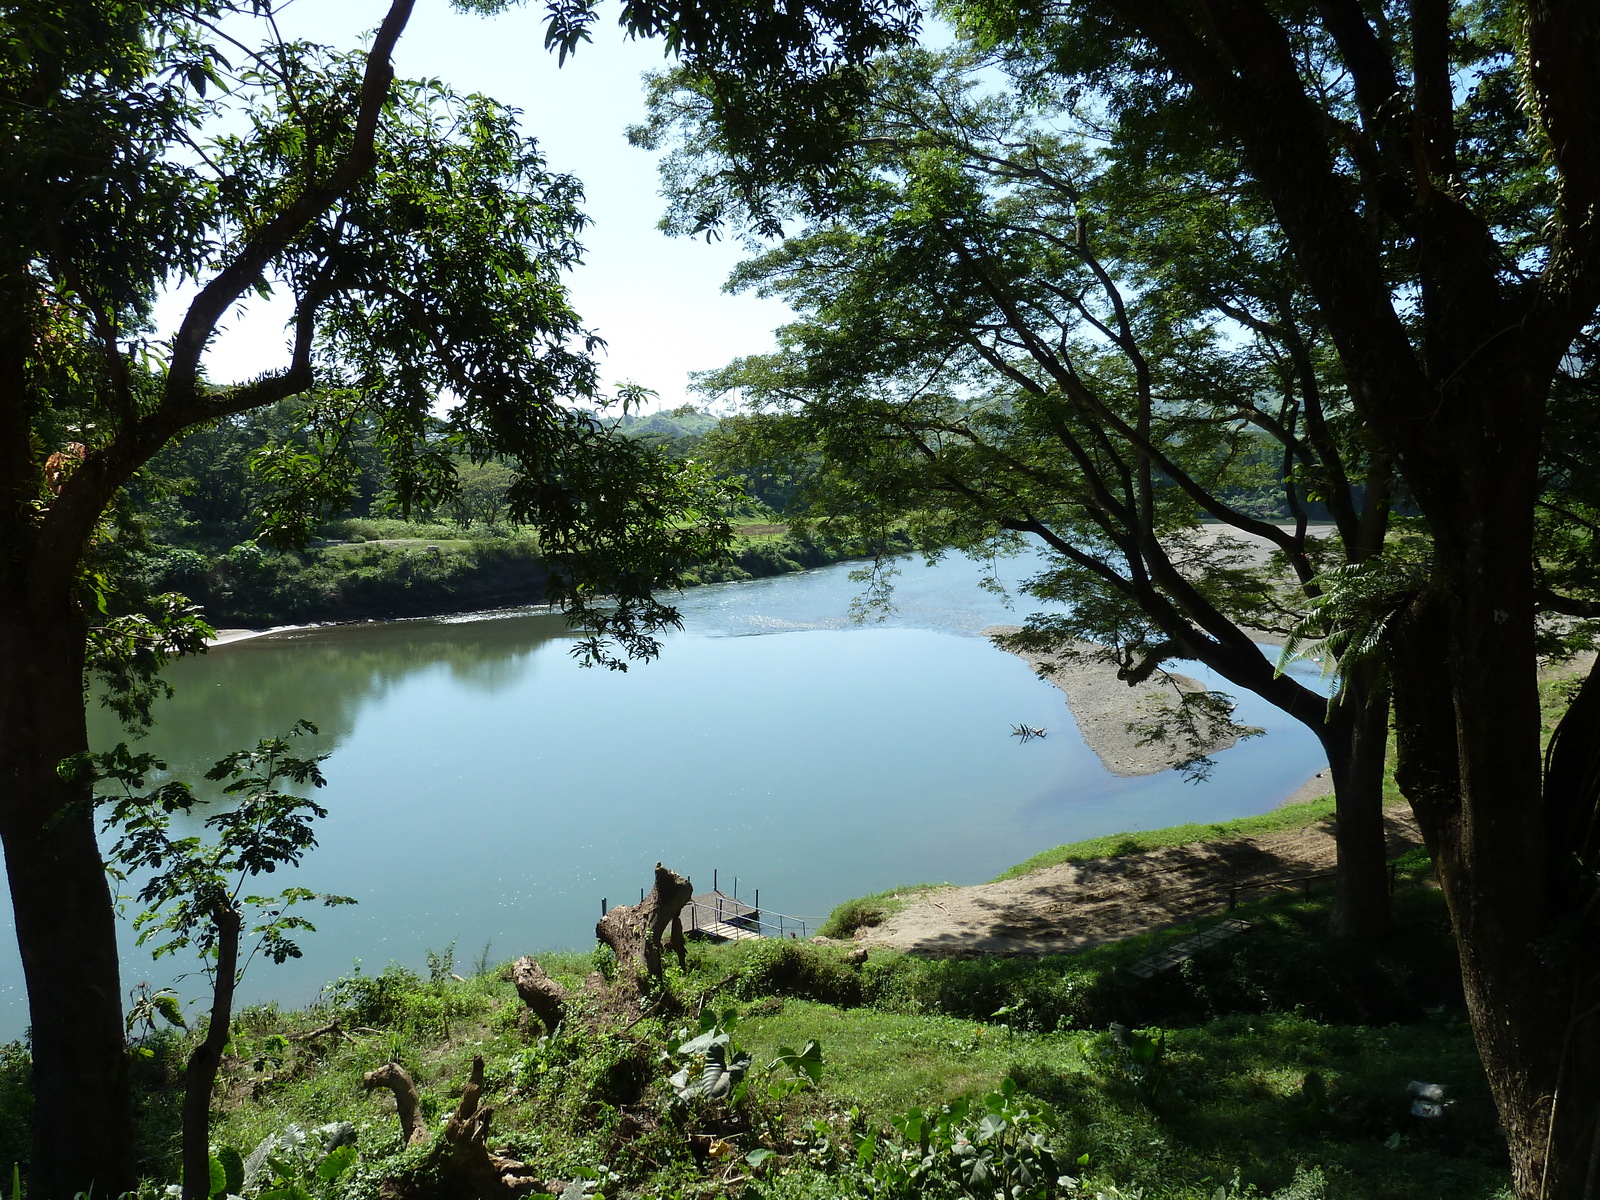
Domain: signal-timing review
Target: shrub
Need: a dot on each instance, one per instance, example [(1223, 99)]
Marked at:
[(774, 967), (376, 1001), (1287, 963)]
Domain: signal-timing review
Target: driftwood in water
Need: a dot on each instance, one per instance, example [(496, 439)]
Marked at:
[(394, 1077), (460, 1165), (635, 931), (546, 999)]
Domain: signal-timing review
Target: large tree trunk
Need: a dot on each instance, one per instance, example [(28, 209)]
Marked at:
[(1572, 830), (66, 927), (1356, 741), (1467, 721), (1355, 737)]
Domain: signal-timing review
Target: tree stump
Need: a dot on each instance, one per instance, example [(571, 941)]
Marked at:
[(634, 931), (490, 1176), (460, 1165), (546, 999)]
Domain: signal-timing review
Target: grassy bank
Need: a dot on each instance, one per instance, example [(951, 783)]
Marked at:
[(1276, 1064), (380, 569), (865, 912), (1115, 845)]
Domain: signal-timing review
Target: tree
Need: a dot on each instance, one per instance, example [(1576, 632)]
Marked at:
[(422, 240), (195, 890), (996, 341), (1431, 173), (484, 489)]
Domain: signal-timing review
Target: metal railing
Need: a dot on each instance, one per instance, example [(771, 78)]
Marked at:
[(696, 916)]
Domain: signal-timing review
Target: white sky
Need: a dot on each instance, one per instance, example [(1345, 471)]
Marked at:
[(656, 300)]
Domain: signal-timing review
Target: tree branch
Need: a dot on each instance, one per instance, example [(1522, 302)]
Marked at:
[(247, 266)]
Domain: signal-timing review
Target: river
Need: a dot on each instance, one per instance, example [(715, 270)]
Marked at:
[(486, 790)]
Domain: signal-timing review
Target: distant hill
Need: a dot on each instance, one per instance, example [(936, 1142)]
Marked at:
[(685, 421)]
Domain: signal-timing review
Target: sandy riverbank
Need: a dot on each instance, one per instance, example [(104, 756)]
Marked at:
[(1103, 705), (1074, 905)]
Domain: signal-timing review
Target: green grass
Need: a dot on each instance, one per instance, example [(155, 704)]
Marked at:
[(1247, 1024), (865, 912), (375, 528)]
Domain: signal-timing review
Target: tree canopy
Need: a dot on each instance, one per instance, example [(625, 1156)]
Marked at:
[(1391, 206), (422, 240)]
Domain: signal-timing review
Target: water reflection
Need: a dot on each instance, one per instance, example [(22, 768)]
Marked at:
[(243, 691), (484, 788)]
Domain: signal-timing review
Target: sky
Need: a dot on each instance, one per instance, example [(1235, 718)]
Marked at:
[(656, 300)]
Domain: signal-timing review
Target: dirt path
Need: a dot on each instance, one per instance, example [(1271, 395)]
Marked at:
[(1075, 905)]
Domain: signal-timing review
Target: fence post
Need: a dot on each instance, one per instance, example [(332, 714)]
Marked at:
[(603, 906)]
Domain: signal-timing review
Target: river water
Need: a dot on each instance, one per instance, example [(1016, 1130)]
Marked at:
[(485, 789)]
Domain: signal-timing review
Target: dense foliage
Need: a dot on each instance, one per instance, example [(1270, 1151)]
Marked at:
[(1244, 1070), (1400, 199)]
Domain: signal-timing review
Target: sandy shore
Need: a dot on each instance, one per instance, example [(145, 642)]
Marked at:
[(1074, 905), (226, 637), (1102, 705)]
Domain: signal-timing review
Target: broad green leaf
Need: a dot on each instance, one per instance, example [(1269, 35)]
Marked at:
[(336, 1164), (167, 1005), (233, 1163)]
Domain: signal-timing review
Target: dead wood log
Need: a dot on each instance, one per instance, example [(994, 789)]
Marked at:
[(406, 1102), (332, 1028), (490, 1176), (546, 999), (460, 1165), (634, 931)]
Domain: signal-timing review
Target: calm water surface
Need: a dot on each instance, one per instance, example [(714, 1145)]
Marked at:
[(485, 789)]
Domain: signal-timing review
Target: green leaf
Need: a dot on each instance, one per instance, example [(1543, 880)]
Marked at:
[(167, 1005), (336, 1164), (703, 1043), (288, 1192), (232, 1163), (758, 1156), (218, 1185)]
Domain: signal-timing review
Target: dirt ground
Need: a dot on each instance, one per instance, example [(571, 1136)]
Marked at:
[(1074, 905)]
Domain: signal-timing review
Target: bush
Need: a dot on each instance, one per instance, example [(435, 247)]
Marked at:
[(16, 1102), (852, 916), (865, 912), (774, 967), (375, 1001), (1287, 963)]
